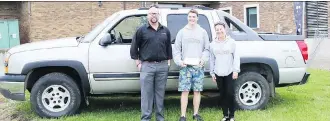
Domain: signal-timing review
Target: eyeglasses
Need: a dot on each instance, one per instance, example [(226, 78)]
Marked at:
[(153, 14)]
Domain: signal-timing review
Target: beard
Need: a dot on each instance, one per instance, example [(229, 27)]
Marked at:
[(154, 20)]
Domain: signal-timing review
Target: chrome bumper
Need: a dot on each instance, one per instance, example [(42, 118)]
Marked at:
[(12, 87)]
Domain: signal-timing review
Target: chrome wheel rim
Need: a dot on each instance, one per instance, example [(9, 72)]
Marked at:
[(250, 93), (56, 98)]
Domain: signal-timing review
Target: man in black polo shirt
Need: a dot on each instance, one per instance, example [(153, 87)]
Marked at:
[(152, 51)]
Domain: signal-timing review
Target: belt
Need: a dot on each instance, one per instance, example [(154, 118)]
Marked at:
[(155, 61)]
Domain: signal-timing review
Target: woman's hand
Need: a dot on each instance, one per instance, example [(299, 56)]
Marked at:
[(235, 75), (214, 79)]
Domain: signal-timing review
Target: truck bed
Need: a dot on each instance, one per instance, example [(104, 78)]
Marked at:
[(278, 37)]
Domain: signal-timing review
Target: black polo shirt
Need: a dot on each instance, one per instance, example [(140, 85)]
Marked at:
[(149, 44)]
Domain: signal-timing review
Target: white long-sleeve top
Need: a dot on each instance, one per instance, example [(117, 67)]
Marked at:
[(223, 57)]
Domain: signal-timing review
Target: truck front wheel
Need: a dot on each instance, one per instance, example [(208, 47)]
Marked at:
[(55, 95), (251, 91)]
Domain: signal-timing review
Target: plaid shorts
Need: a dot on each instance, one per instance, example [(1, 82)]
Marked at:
[(191, 78)]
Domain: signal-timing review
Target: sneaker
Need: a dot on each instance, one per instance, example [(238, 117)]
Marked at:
[(225, 118), (182, 118), (197, 117), (231, 119)]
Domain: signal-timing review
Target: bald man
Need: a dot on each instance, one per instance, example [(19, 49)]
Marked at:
[(152, 51)]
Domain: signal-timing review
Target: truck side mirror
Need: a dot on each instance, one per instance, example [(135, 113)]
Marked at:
[(106, 40)]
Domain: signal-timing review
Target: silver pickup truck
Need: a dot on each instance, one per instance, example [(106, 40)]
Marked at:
[(61, 74)]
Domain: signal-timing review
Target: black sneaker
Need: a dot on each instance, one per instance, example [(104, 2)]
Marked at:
[(182, 118), (197, 117)]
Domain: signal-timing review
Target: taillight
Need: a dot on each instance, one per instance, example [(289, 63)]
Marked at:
[(303, 49)]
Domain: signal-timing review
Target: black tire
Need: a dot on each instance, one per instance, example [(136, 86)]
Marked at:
[(257, 79), (52, 79)]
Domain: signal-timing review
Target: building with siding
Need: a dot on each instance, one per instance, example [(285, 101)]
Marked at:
[(49, 20), (278, 17)]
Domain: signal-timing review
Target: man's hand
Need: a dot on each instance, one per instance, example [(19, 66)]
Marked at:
[(169, 64), (201, 63), (183, 64), (235, 75), (138, 64)]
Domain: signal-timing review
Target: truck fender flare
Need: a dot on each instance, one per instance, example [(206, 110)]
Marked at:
[(264, 60), (76, 65)]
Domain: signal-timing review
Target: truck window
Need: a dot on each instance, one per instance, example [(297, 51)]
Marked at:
[(123, 32), (236, 28), (175, 22), (236, 32)]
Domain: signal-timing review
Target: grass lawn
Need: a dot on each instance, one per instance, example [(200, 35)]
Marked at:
[(309, 102)]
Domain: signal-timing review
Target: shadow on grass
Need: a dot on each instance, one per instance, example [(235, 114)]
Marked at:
[(121, 104), (281, 100), (128, 103)]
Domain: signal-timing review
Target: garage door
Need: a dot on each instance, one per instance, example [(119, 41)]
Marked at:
[(9, 33)]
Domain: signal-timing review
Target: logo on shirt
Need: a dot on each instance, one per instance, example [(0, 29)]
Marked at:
[(193, 40), (222, 51), (163, 33)]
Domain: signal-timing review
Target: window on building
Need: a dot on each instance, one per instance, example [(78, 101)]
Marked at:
[(228, 11), (123, 32), (251, 16), (175, 22)]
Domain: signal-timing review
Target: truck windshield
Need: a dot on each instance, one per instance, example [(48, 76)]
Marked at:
[(92, 34)]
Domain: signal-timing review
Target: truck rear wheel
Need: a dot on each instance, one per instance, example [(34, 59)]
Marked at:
[(251, 91), (55, 95)]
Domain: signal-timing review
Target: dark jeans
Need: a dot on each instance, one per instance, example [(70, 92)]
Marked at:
[(226, 88), (153, 78)]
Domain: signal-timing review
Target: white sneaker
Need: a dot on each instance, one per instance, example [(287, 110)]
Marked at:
[(232, 119), (224, 118)]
